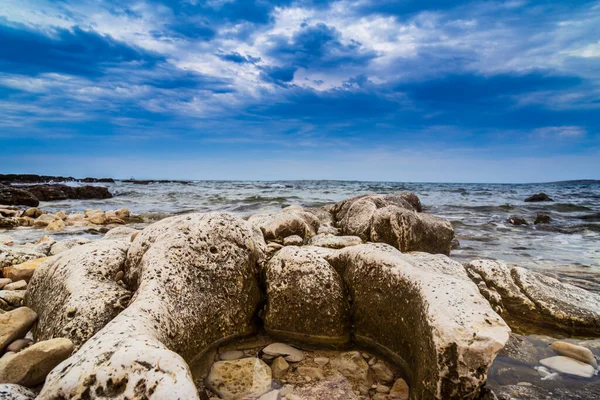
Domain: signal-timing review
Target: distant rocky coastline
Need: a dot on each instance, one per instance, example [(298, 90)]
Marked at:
[(352, 300)]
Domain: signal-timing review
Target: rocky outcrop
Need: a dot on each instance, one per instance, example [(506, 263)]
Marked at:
[(530, 300), (63, 192), (431, 316), (33, 178), (194, 277), (396, 220), (293, 220), (517, 221), (67, 244), (16, 255), (75, 293), (306, 298), (14, 196), (538, 198), (542, 219)]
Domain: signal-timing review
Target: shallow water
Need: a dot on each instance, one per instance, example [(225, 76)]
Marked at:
[(569, 246)]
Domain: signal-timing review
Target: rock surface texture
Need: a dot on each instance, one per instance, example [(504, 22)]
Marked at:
[(537, 301)]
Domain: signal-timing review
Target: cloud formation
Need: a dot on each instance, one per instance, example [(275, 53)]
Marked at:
[(301, 78)]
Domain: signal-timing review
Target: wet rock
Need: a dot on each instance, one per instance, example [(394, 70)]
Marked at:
[(63, 192), (19, 345), (67, 244), (443, 319), (240, 378), (567, 365), (575, 352), (400, 390), (74, 293), (514, 220), (289, 353), (334, 242), (538, 197), (33, 212), (539, 301), (56, 225), (293, 240), (97, 219), (306, 300), (30, 366), (195, 281), (10, 256), (18, 285), (279, 367), (25, 270), (10, 195), (9, 391), (6, 240), (9, 223), (15, 324), (542, 219)]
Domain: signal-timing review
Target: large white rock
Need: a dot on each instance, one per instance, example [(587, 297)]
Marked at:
[(567, 365), (9, 391)]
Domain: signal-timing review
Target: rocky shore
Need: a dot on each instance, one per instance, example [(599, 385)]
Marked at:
[(353, 300)]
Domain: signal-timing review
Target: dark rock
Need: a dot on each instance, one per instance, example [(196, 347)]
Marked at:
[(32, 178), (454, 244), (542, 219), (13, 196), (63, 192), (516, 221), (92, 192), (538, 197)]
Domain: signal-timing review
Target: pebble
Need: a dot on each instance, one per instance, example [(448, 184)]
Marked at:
[(231, 355), (575, 352), (382, 388), (400, 390), (279, 367), (382, 372), (290, 353), (272, 395), (321, 361), (119, 276), (569, 366), (18, 345), (18, 285)]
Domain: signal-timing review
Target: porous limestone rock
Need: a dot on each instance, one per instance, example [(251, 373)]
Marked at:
[(74, 292), (24, 271), (306, 300), (531, 299), (395, 219), (293, 220), (11, 298), (64, 245), (30, 366), (56, 225), (15, 324), (238, 379), (120, 233), (334, 242), (436, 321), (17, 255), (293, 240), (195, 284), (9, 391)]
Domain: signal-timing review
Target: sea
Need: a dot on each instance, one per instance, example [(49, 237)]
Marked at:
[(568, 247)]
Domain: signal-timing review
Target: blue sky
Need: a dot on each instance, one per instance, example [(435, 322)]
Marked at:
[(459, 91)]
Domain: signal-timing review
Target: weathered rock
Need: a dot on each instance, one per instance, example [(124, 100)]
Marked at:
[(9, 223), (18, 345), (67, 244), (231, 355), (575, 352), (15, 324), (9, 391), (289, 353), (248, 377), (30, 366), (97, 219), (18, 285), (293, 240), (353, 366), (74, 293), (63, 192), (10, 195), (6, 240), (4, 282), (400, 390), (538, 197), (120, 233), (449, 334), (25, 270), (334, 242), (13, 298), (290, 221), (382, 372), (279, 367), (33, 212), (195, 282), (531, 299), (14, 255), (514, 220), (44, 219), (542, 219), (321, 361), (56, 225), (567, 365), (306, 300), (334, 387)]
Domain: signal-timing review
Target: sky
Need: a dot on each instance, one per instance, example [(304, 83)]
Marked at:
[(429, 91)]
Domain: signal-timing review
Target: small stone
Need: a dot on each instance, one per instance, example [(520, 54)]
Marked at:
[(372, 361), (227, 355), (293, 240), (61, 214), (122, 213), (32, 212), (279, 367), (4, 282), (272, 395), (18, 345), (30, 366), (366, 356), (23, 271), (569, 366), (311, 372), (575, 352), (247, 377), (18, 285), (382, 372), (352, 365), (119, 277), (290, 353), (400, 390), (524, 384), (97, 219), (321, 361), (382, 388), (15, 324)]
